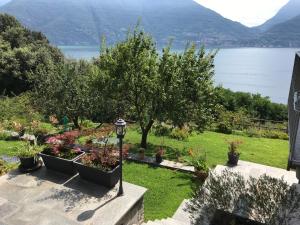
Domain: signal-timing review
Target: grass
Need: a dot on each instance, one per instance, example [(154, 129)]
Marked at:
[(166, 188), (271, 152), (8, 147)]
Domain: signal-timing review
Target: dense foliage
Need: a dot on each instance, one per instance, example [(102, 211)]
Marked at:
[(177, 87), (264, 199), (22, 52), (65, 91), (255, 105)]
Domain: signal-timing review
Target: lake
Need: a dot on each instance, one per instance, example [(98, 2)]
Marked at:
[(266, 71)]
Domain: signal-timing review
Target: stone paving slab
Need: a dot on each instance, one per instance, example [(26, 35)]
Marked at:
[(248, 169), (165, 163), (46, 197)]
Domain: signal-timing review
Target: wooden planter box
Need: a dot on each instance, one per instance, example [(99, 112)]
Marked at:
[(60, 164), (108, 179)]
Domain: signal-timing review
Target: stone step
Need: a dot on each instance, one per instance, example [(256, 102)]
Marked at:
[(171, 221), (182, 215)]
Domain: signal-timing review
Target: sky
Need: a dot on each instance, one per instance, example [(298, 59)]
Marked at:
[(248, 12)]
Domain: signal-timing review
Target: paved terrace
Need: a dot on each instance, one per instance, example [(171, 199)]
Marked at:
[(46, 197)]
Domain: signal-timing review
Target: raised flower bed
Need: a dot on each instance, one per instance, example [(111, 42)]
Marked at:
[(60, 153), (100, 166)]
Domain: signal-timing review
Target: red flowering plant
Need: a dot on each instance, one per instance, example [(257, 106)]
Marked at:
[(104, 159), (62, 145)]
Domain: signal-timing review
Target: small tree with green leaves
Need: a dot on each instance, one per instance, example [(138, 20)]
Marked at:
[(65, 91), (177, 87)]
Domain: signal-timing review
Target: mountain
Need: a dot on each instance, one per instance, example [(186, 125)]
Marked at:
[(287, 12), (285, 34), (84, 22)]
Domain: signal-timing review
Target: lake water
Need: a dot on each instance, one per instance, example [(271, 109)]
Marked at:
[(266, 71)]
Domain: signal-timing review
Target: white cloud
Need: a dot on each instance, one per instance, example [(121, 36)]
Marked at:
[(247, 12)]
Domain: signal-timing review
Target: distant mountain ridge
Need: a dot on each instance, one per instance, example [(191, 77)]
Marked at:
[(73, 22), (84, 22), (287, 12)]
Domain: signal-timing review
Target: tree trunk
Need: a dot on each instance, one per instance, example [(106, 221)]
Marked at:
[(145, 132), (144, 139), (76, 122)]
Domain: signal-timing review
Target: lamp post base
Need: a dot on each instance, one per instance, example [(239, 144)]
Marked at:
[(120, 192)]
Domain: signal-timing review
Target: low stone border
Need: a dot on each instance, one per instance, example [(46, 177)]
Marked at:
[(164, 164)]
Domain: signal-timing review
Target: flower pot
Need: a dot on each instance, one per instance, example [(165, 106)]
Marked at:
[(60, 164), (105, 178), (202, 175), (141, 155), (233, 159), (29, 162), (158, 158)]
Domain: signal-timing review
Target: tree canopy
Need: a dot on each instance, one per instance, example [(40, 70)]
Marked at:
[(148, 86), (21, 52)]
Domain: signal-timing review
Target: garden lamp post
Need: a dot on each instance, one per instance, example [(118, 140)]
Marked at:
[(121, 131)]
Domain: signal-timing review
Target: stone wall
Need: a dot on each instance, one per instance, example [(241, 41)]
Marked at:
[(135, 215)]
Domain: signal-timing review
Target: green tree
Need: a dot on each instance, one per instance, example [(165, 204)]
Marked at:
[(65, 91), (21, 52), (148, 87)]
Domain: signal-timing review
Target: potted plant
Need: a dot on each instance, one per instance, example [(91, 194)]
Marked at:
[(28, 155), (100, 166), (141, 153), (198, 161), (159, 155), (233, 152), (61, 152)]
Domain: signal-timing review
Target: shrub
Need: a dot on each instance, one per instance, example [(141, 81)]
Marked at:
[(18, 109), (180, 134), (162, 129), (197, 160), (3, 167), (263, 133), (234, 146), (27, 150), (264, 199), (229, 121), (224, 127), (4, 135), (87, 124)]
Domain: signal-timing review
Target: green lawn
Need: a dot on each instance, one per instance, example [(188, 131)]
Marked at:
[(166, 188), (272, 152), (8, 147)]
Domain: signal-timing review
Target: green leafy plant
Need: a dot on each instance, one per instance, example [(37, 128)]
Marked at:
[(27, 150), (233, 147), (162, 129), (264, 199), (180, 134), (197, 160), (4, 135)]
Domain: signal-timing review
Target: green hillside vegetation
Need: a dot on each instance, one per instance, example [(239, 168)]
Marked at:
[(22, 53)]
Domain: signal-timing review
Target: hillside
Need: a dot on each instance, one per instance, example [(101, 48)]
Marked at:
[(287, 12), (285, 34), (73, 22)]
